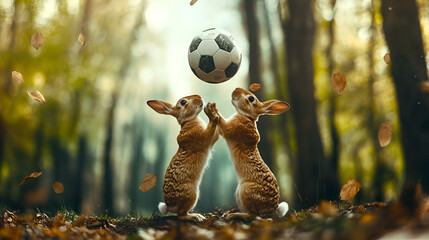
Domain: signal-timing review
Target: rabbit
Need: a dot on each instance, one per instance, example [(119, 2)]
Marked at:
[(257, 192), (183, 174)]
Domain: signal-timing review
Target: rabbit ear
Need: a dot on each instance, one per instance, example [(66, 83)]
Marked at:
[(274, 107), (161, 106)]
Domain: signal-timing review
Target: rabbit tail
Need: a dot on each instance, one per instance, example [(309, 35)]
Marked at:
[(282, 209), (163, 208)]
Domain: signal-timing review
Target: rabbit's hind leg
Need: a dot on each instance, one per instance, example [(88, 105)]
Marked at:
[(196, 217), (239, 216), (247, 197), (254, 199), (188, 199)]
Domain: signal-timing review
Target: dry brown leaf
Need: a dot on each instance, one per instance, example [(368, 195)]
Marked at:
[(327, 209), (31, 175), (37, 40), (193, 2), (149, 181), (385, 133), (424, 86), (338, 83), (349, 190), (81, 39), (17, 77), (80, 221), (58, 187), (386, 58), (58, 221), (36, 95), (254, 87)]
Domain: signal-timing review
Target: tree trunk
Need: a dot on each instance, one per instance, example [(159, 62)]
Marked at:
[(333, 159), (107, 154), (136, 172), (79, 186), (7, 83), (280, 92), (252, 26), (159, 163), (372, 119), (2, 156), (299, 31), (403, 35), (11, 46), (61, 158)]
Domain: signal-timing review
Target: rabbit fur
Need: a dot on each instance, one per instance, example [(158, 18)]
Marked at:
[(183, 174), (257, 192)]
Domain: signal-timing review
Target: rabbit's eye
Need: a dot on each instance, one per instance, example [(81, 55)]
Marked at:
[(251, 98), (183, 102)]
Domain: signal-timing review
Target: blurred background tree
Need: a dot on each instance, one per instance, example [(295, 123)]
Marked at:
[(96, 135), (403, 35)]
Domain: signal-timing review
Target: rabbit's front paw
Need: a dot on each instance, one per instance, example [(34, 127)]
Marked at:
[(213, 108), (211, 112)]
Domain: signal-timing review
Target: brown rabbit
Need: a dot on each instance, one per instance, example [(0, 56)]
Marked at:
[(257, 192), (183, 174)]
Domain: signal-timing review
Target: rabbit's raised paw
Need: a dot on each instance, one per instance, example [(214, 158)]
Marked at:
[(210, 110)]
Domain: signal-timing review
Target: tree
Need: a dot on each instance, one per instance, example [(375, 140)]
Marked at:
[(309, 166), (403, 35), (5, 74), (372, 119), (333, 159), (252, 26), (108, 161), (280, 121)]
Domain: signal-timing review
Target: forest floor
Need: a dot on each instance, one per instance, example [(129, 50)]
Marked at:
[(405, 218)]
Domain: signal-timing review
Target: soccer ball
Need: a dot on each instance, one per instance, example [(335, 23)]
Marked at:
[(214, 56)]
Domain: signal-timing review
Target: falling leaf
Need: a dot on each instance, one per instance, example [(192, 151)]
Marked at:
[(32, 175), (17, 77), (36, 95), (81, 39), (386, 58), (338, 83), (385, 133), (327, 209), (349, 190), (193, 2), (424, 86), (58, 187), (37, 40), (149, 181), (254, 87)]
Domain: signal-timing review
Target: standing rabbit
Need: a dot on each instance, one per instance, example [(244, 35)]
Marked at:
[(257, 192), (183, 174)]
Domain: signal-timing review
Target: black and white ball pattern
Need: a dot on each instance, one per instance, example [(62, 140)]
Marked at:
[(214, 56)]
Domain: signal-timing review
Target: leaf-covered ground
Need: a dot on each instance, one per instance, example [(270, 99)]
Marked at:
[(406, 218)]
